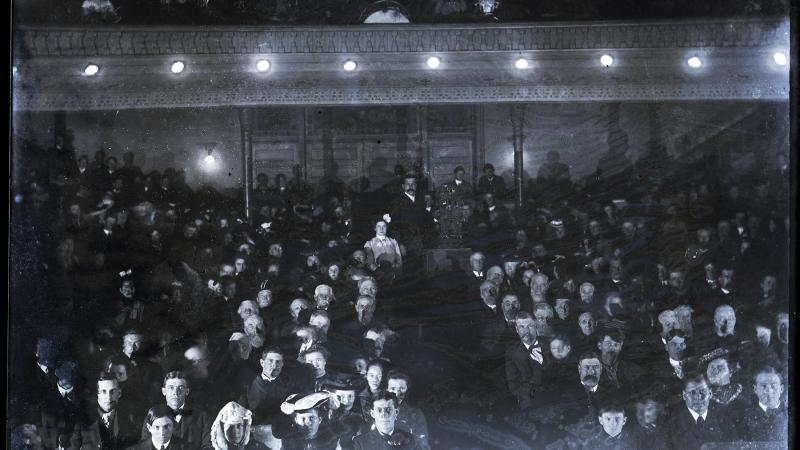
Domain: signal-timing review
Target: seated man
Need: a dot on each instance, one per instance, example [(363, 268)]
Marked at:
[(409, 417), (189, 425), (160, 426), (697, 421), (650, 431), (269, 389), (765, 419), (526, 362), (384, 409), (108, 424)]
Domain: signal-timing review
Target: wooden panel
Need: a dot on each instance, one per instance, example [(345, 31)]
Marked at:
[(275, 156), (448, 152)]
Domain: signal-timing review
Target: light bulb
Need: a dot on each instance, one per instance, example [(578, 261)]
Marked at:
[(694, 62), (349, 66), (177, 67), (262, 65), (780, 58), (209, 159), (91, 69), (521, 63), (433, 62), (606, 60)]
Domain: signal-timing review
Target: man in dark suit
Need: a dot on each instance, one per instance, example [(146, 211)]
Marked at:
[(269, 389), (160, 424), (766, 418), (191, 425), (410, 220), (459, 188), (108, 425), (385, 435), (526, 361), (491, 184), (697, 422)]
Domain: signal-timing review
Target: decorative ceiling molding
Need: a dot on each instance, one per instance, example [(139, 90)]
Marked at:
[(37, 42), (650, 65)]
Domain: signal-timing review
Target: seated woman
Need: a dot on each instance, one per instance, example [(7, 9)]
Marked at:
[(383, 248), (231, 429)]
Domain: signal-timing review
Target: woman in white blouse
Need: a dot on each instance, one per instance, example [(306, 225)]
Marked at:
[(383, 248)]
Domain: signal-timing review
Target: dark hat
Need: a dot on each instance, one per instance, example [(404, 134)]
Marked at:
[(461, 168), (488, 167), (344, 382)]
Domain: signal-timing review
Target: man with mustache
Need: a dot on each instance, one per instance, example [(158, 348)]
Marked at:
[(526, 361), (410, 221)]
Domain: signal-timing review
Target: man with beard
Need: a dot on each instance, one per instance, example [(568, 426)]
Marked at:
[(357, 269), (323, 297), (268, 389), (500, 332), (409, 417), (296, 307), (190, 424), (526, 362), (721, 337), (385, 436), (353, 329), (588, 301), (695, 421), (301, 427), (766, 418)]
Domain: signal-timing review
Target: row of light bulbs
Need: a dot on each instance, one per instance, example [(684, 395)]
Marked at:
[(433, 62)]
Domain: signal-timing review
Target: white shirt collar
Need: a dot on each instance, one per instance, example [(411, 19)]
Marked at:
[(413, 198), (156, 445), (477, 274), (664, 341), (63, 391), (725, 291), (458, 182), (81, 169), (493, 307), (44, 368), (592, 389), (491, 208), (107, 232), (695, 415), (268, 379), (674, 363), (535, 344)]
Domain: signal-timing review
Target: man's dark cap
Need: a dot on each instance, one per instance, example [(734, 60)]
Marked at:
[(488, 167), (461, 168)]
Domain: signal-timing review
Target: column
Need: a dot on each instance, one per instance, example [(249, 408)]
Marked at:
[(478, 143), (301, 141), (518, 137), (246, 122)]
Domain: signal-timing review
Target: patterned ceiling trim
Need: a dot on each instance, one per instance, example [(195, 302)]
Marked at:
[(322, 96), (54, 42)]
